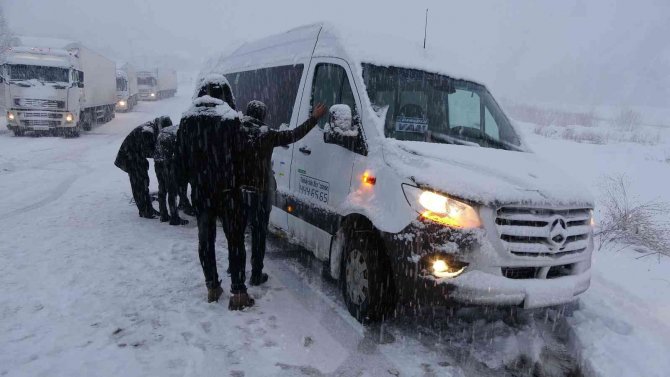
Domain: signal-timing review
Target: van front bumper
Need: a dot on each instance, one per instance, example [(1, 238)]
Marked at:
[(482, 282)]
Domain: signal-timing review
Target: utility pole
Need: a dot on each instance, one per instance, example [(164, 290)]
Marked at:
[(425, 30)]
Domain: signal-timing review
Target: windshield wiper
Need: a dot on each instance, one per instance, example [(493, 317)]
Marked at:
[(470, 134)]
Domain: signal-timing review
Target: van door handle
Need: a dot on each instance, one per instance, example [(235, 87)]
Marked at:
[(305, 150)]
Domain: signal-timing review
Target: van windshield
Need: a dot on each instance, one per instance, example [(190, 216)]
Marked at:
[(38, 72), (424, 106)]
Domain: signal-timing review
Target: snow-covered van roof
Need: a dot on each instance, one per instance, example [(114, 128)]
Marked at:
[(356, 46)]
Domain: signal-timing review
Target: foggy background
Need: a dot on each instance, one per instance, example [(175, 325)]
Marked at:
[(579, 52)]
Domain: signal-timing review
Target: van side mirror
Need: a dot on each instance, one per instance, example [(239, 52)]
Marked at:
[(344, 130)]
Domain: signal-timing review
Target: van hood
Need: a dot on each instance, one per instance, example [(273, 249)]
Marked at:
[(485, 175)]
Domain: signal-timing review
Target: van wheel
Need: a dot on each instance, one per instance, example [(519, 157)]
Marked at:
[(367, 280)]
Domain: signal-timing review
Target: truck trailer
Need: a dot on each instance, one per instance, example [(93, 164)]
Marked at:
[(127, 92), (157, 83), (57, 86)]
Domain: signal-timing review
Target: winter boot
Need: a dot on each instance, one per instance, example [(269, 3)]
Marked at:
[(164, 218), (213, 294), (258, 279), (148, 214), (177, 221), (239, 301)]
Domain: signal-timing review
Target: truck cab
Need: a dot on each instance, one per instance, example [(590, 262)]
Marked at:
[(147, 84), (43, 87)]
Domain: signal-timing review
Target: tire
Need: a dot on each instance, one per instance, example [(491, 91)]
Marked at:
[(19, 133), (367, 279)]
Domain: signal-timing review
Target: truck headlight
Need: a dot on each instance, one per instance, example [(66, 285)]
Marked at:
[(153, 94), (122, 103), (10, 115), (441, 209), (69, 117)]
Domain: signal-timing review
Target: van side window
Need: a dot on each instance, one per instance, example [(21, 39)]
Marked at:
[(331, 86), (277, 87)]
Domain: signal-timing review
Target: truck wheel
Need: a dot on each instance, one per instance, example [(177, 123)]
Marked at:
[(19, 133), (367, 279), (73, 132)]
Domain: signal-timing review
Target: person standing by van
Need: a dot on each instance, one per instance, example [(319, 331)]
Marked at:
[(132, 157), (257, 175), (209, 141), (165, 165)]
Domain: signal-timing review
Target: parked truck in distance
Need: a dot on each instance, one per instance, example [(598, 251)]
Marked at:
[(157, 84), (127, 92), (56, 86)]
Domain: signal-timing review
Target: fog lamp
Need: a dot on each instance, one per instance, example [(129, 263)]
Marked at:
[(69, 118), (442, 269)]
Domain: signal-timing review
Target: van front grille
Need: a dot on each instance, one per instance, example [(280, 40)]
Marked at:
[(541, 232)]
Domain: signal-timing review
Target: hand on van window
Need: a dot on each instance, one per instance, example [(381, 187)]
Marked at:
[(319, 110)]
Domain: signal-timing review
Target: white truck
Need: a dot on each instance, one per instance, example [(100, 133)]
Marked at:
[(56, 86), (157, 83), (127, 92)]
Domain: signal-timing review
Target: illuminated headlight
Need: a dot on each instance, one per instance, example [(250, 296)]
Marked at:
[(69, 117), (442, 209), (442, 269), (10, 115), (122, 103), (153, 94)]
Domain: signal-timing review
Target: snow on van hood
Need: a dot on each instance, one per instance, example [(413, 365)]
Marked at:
[(485, 175)]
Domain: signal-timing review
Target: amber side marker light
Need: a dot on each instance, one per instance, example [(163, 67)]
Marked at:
[(368, 179)]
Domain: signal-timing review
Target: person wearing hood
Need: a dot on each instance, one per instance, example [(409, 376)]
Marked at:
[(257, 174), (209, 141), (165, 165), (132, 157)]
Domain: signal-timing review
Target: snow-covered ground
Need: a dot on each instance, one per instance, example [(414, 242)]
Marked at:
[(87, 288)]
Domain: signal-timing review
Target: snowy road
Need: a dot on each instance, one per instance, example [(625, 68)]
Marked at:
[(90, 289)]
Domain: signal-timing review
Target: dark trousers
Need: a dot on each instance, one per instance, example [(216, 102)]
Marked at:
[(257, 205), (139, 184), (231, 214), (168, 189)]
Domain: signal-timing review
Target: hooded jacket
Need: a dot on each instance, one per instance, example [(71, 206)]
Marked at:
[(208, 148), (136, 148), (259, 142)]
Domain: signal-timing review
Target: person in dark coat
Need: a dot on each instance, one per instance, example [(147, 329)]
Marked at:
[(209, 141), (258, 176), (165, 165), (136, 148)]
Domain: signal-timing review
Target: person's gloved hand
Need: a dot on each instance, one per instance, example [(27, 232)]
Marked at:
[(319, 110)]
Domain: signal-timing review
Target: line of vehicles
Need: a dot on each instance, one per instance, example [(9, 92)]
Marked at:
[(64, 87)]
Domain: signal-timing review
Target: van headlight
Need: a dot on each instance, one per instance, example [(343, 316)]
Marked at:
[(441, 209)]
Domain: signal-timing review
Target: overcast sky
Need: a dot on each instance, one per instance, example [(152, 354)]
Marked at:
[(588, 52)]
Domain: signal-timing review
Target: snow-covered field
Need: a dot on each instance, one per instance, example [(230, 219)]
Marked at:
[(87, 288)]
